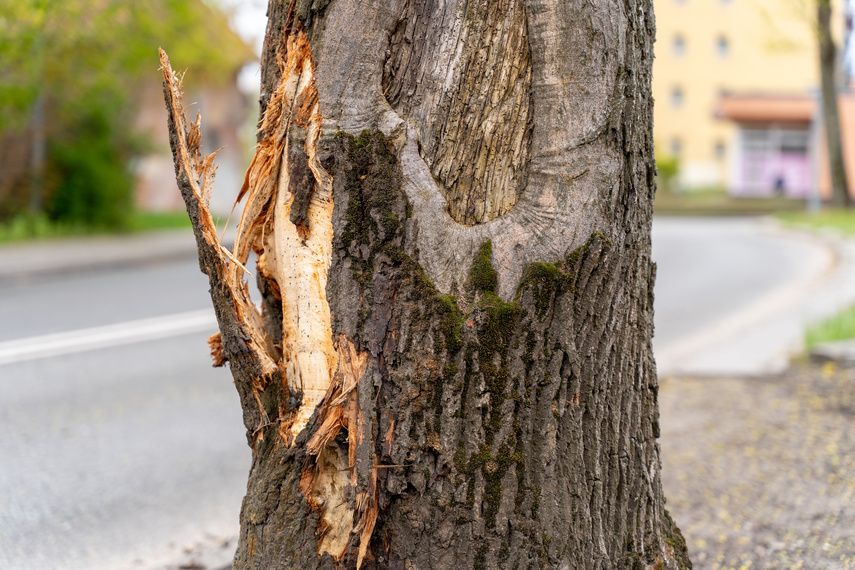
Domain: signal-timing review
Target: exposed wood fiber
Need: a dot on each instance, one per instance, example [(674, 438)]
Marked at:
[(294, 251), (293, 247), (195, 172)]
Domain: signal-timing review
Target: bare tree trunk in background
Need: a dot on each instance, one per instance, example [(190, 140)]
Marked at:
[(451, 207), (37, 156), (831, 117)]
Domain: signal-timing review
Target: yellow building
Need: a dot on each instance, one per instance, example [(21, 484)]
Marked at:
[(708, 50)]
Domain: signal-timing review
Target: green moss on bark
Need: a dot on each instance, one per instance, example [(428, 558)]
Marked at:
[(482, 276)]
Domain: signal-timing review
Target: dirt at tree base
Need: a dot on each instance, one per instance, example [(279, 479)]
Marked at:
[(760, 472)]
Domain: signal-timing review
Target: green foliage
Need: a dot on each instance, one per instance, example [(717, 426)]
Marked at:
[(92, 185), (668, 169), (69, 75)]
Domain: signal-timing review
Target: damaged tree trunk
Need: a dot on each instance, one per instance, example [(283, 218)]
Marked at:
[(450, 205)]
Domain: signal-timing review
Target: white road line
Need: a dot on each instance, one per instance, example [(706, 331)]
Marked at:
[(93, 338)]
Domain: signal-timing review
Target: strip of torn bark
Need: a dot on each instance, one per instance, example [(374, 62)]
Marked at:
[(339, 410), (295, 258), (195, 174)]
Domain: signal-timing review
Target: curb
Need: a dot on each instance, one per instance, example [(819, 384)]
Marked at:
[(21, 264), (761, 338), (841, 353)]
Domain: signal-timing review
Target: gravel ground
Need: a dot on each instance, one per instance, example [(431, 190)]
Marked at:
[(760, 472)]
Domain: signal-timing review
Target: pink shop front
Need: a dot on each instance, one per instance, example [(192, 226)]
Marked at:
[(773, 155), (772, 159)]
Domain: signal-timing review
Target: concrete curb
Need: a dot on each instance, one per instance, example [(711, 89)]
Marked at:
[(32, 261), (841, 353)]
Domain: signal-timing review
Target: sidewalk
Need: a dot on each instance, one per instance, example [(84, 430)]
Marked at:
[(762, 338), (22, 262)]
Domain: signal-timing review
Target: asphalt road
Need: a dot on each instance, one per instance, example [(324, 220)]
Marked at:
[(710, 267), (115, 456), (734, 295), (121, 445)]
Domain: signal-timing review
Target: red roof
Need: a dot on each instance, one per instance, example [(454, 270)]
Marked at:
[(765, 108)]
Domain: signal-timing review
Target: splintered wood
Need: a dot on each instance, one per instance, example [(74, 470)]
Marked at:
[(197, 172), (293, 257), (334, 470), (287, 222), (296, 257)]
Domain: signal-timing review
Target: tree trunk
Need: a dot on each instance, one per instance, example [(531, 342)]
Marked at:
[(452, 367), (830, 115)]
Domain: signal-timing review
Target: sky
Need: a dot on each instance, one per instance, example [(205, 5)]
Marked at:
[(249, 20)]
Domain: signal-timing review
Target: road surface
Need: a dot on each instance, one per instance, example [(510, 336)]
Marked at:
[(734, 296), (121, 449), (121, 446)]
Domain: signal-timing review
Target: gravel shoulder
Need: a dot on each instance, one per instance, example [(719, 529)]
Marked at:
[(760, 472)]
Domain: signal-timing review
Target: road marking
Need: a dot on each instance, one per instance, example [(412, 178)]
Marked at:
[(81, 340)]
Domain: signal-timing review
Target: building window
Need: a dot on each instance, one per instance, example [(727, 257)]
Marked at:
[(676, 147), (718, 150), (677, 96), (679, 46), (722, 46)]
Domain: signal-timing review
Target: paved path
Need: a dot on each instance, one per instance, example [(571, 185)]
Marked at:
[(23, 263), (733, 296), (121, 446)]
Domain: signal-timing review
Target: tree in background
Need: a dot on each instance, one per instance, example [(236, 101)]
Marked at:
[(452, 367), (830, 114), (669, 168), (68, 75)]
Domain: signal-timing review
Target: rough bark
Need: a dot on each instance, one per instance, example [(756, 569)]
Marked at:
[(452, 367), (840, 196)]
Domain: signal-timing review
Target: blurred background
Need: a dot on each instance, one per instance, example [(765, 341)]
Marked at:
[(84, 143), (737, 90), (122, 448)]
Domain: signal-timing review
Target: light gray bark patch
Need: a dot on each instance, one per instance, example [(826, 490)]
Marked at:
[(475, 116)]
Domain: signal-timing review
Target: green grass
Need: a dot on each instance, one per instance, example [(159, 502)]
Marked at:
[(841, 221), (842, 325), (839, 327), (715, 202), (145, 221), (28, 227)]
